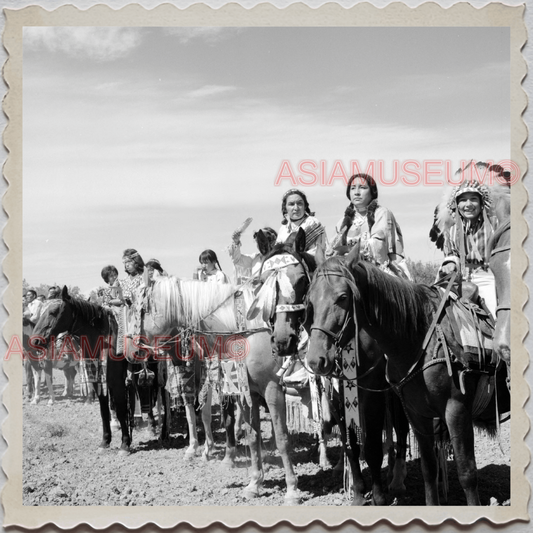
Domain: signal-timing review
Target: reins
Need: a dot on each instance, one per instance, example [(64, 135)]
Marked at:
[(411, 372)]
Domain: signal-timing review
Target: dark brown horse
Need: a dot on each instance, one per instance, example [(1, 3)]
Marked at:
[(424, 364), (96, 329), (286, 315)]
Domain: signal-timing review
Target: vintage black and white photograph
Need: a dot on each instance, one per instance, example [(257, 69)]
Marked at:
[(267, 265)]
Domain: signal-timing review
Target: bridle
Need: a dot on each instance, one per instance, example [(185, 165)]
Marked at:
[(277, 266), (337, 338)]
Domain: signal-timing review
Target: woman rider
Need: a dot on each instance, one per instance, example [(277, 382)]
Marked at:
[(297, 214), (372, 224)]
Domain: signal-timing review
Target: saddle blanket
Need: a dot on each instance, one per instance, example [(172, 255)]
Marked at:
[(472, 328)]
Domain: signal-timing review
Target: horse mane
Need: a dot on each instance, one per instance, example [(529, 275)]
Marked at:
[(88, 311), (395, 305), (200, 304)]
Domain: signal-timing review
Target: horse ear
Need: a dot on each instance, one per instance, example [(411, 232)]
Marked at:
[(299, 243), (263, 244), (320, 255), (353, 257), (64, 293)]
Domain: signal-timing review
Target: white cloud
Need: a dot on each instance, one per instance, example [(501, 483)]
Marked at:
[(210, 35), (210, 90), (97, 43)]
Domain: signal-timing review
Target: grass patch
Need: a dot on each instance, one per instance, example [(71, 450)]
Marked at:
[(56, 430)]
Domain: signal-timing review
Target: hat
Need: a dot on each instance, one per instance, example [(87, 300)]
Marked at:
[(470, 187)]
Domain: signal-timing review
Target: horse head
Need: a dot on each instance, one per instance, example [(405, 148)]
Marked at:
[(285, 277), (330, 311), (56, 317)]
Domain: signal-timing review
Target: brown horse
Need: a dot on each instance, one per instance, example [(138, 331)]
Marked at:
[(424, 363), (292, 283), (96, 329)]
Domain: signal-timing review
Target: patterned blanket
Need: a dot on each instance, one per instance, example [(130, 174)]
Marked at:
[(472, 328)]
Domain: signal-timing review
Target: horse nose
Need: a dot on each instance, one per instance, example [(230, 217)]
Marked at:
[(284, 346), (318, 364)]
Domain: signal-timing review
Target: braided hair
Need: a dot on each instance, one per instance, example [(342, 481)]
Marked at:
[(349, 213)]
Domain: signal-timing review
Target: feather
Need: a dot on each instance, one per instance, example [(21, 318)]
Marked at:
[(443, 220), (263, 298), (285, 285), (240, 230)]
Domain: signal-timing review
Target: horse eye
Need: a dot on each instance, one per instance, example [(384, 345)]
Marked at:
[(342, 297)]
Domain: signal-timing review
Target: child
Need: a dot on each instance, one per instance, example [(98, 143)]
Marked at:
[(211, 271)]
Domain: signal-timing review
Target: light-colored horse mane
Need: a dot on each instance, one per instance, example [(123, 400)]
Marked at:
[(201, 305)]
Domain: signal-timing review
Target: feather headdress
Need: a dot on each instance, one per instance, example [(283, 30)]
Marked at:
[(446, 212)]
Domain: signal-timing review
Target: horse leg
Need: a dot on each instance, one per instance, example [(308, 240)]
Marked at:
[(397, 461), (103, 400), (374, 417), (253, 423), (275, 399), (118, 397), (36, 385), (228, 412), (115, 424), (193, 435), (239, 420), (164, 415), (209, 445), (49, 384), (425, 437), (28, 373), (459, 421), (66, 379)]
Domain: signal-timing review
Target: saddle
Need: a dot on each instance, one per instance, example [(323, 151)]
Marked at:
[(473, 328)]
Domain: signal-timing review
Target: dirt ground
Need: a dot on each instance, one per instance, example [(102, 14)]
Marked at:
[(62, 465)]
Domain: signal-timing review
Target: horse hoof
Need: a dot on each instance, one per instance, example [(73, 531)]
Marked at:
[(102, 449), (250, 494), (190, 454), (292, 499), (124, 452), (50, 402), (228, 463), (358, 500)]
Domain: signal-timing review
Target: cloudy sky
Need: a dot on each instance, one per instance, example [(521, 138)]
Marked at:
[(166, 139)]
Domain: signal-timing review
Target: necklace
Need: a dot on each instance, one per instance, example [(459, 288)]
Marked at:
[(358, 219)]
